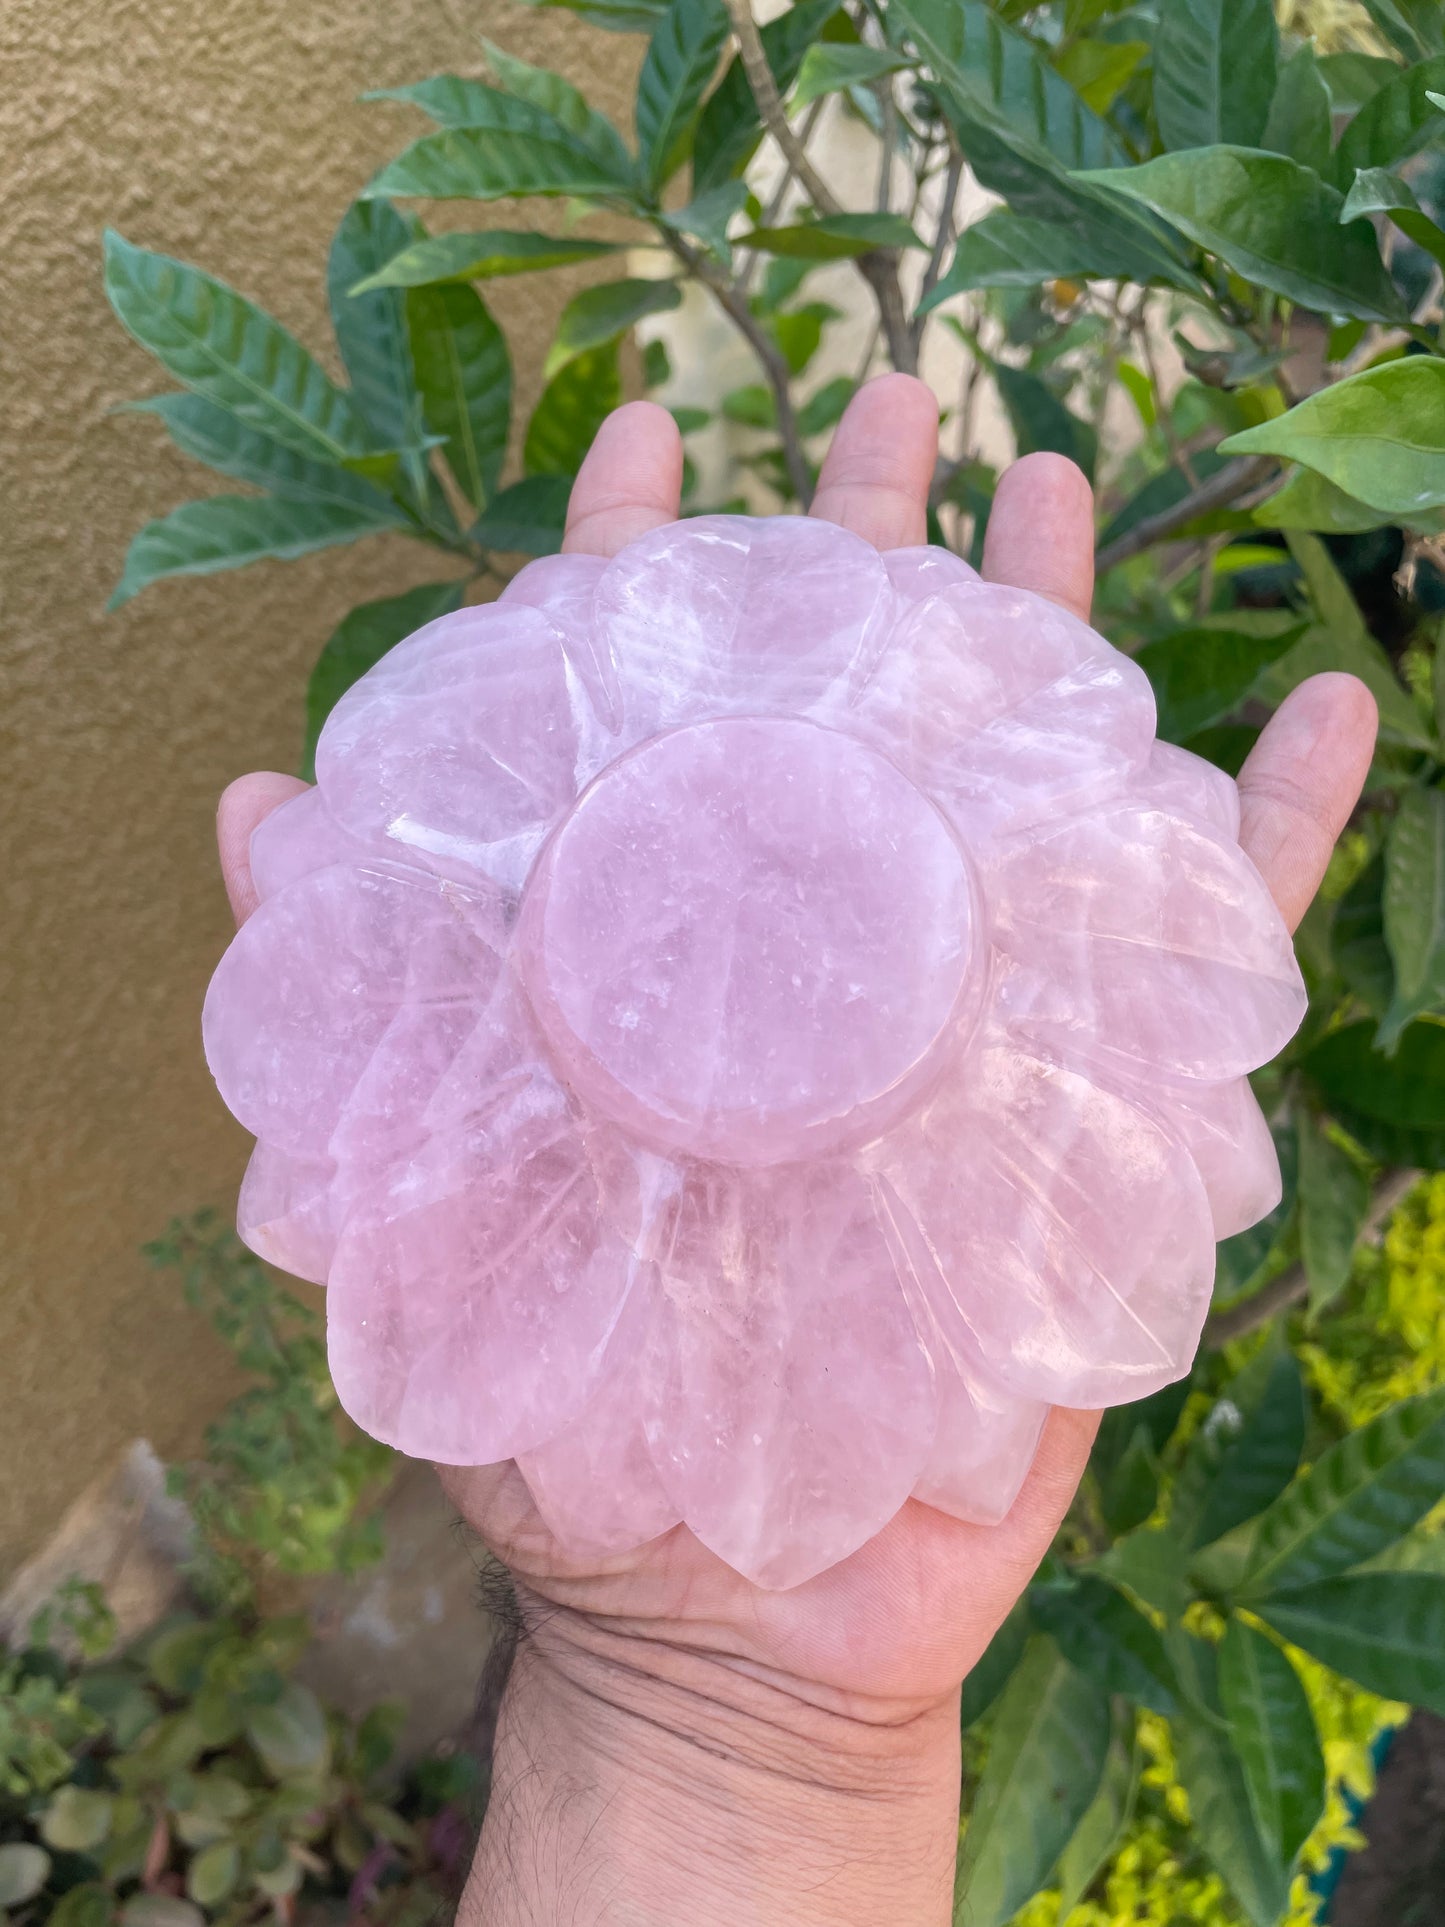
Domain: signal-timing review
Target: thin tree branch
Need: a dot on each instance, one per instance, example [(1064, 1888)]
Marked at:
[(734, 304), (1222, 488), (1292, 1285), (879, 267), (778, 199), (943, 234)]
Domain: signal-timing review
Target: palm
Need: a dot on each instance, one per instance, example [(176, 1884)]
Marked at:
[(906, 1616)]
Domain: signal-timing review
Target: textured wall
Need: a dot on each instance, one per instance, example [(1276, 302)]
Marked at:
[(226, 131)]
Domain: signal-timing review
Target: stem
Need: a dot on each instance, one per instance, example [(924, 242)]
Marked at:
[(734, 304), (943, 234), (1217, 492), (1292, 1285), (779, 196), (879, 268)]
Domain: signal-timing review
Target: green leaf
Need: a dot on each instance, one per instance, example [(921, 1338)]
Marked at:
[(614, 16), (160, 1910), (1254, 1458), (1041, 421), (1100, 70), (24, 1870), (530, 156), (824, 407), (1413, 26), (834, 237), (1394, 1106), (1272, 221), (228, 531), (1414, 907), (682, 56), (708, 216), (1357, 939), (1299, 121), (1334, 1198), (566, 105), (88, 1905), (220, 345), (213, 1874), (1275, 1736), (464, 377), (995, 1667), (222, 441), (1214, 71), (1307, 501), (751, 406), (1384, 1630), (371, 328), (1419, 1551), (1200, 676), (1377, 191), (602, 314), (76, 1820), (290, 1733), (1106, 1820), (1007, 250), (1353, 78), (1221, 1811), (1379, 435), (1150, 1564), (1361, 1495), (360, 641), (1045, 1763), (1395, 122), (573, 406), (528, 518), (1107, 1638), (729, 130), (829, 66), (481, 257)]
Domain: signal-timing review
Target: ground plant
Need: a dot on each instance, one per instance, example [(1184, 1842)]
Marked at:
[(1209, 269)]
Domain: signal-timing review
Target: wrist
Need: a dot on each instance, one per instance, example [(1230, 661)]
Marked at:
[(645, 1783)]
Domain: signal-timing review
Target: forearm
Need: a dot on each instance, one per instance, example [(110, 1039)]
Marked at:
[(641, 1785)]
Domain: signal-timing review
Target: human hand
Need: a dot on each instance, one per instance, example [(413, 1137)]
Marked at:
[(676, 1744)]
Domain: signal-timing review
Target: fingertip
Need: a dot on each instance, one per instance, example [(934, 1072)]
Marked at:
[(879, 467), (630, 481), (1041, 531), (242, 806)]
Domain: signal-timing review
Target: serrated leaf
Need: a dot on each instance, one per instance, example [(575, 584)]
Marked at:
[(573, 406), (1379, 435), (1106, 1820), (829, 66), (1397, 120), (1361, 1495), (1221, 1811), (529, 518), (228, 531), (24, 1870), (606, 313), (360, 641), (1384, 1630), (567, 105), (1414, 910), (213, 435), (481, 257), (682, 57), (1214, 71), (729, 128), (1274, 1734), (225, 348), (834, 237), (1334, 1199), (1271, 220), (464, 378), (290, 1733), (1200, 676), (1106, 1637), (370, 328), (1299, 122), (77, 1819), (1045, 1763)]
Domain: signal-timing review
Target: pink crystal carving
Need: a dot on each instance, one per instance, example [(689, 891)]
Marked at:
[(740, 1029)]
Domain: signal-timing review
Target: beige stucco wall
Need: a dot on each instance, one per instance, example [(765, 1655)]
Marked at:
[(226, 131)]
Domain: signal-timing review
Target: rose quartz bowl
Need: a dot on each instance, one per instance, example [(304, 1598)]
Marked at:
[(741, 1028)]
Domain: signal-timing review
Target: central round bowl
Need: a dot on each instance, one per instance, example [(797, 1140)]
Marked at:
[(751, 940)]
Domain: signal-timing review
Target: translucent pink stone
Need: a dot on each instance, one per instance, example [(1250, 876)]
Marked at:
[(742, 1028)]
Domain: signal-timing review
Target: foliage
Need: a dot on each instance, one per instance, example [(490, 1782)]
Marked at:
[(1230, 238), (193, 1776)]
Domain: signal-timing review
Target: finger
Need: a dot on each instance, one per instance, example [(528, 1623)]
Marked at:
[(1300, 782), (1041, 532), (877, 473), (630, 481), (243, 805)]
